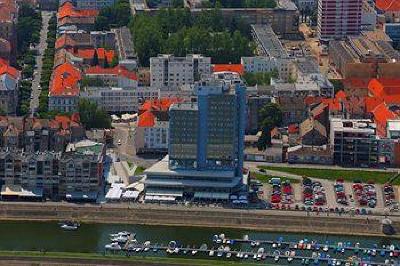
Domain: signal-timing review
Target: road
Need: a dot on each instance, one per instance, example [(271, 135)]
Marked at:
[(34, 104), (124, 146), (253, 165)]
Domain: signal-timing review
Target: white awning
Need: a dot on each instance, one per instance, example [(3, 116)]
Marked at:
[(159, 198), (164, 192), (211, 195)]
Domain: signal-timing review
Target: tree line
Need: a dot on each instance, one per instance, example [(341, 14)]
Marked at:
[(178, 32)]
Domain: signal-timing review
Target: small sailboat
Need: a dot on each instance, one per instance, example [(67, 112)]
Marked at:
[(220, 251), (260, 252), (146, 246)]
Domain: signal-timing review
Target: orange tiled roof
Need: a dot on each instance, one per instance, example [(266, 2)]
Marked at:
[(89, 53), (340, 95), (65, 81), (63, 41), (118, 70), (382, 113), (5, 68), (238, 68), (386, 89), (146, 119), (162, 104), (8, 10), (388, 5), (68, 10)]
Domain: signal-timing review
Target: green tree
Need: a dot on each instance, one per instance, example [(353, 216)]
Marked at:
[(92, 116), (95, 59), (177, 3), (270, 116), (114, 61)]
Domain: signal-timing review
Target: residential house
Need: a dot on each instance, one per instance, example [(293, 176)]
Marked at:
[(313, 133), (9, 82), (150, 132), (64, 88), (82, 19), (8, 28)]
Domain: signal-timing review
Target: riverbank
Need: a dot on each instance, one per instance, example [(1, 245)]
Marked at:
[(145, 214), (68, 258)]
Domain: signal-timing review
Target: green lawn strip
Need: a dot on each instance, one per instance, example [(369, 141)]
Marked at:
[(139, 170), (332, 174), (265, 178), (98, 256)]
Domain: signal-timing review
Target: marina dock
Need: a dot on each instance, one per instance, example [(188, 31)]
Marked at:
[(304, 252)]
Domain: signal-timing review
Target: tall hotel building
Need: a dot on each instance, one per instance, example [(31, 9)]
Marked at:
[(338, 19)]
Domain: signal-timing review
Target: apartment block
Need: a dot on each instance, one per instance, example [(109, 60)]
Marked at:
[(338, 19), (169, 72), (355, 144)]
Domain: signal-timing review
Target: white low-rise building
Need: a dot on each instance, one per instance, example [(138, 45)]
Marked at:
[(169, 72)]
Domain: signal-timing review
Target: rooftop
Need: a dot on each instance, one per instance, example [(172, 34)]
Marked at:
[(118, 71), (237, 68), (65, 81), (67, 9), (268, 41), (388, 5)]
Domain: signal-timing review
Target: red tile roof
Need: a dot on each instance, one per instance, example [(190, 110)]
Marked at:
[(162, 104), (386, 89), (388, 5), (340, 95), (356, 83), (382, 114), (89, 53), (68, 10), (65, 81), (8, 10), (293, 128), (5, 68), (63, 41), (146, 119), (238, 68), (118, 71)]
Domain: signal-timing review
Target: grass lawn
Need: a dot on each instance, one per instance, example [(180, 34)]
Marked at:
[(265, 178), (348, 175), (139, 170), (134, 259)]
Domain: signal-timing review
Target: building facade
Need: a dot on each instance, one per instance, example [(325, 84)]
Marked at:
[(170, 72), (9, 82), (338, 18), (206, 144), (93, 4), (355, 144)]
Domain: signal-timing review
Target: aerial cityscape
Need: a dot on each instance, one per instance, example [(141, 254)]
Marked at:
[(200, 132)]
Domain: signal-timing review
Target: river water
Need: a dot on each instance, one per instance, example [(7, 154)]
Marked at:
[(92, 237)]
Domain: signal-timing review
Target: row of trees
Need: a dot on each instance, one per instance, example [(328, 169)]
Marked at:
[(177, 32), (243, 3), (117, 15), (28, 33), (28, 28), (47, 69)]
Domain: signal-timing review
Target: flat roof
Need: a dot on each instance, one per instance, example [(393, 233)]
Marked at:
[(162, 168), (268, 41)]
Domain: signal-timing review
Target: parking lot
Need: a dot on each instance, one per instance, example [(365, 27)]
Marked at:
[(323, 195)]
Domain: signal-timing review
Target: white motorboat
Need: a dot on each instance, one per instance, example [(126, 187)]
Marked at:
[(246, 256), (146, 246), (326, 248), (113, 246), (211, 253), (69, 226), (194, 252), (228, 255), (260, 252), (122, 233), (120, 239), (276, 258)]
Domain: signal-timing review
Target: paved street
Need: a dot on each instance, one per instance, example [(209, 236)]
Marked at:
[(126, 147), (34, 104)]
